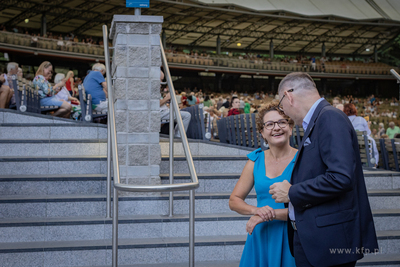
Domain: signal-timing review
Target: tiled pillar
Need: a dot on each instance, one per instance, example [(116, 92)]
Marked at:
[(136, 73)]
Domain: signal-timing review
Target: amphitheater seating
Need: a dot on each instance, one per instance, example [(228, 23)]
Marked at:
[(87, 113)]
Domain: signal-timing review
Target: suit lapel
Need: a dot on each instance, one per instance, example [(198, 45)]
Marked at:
[(310, 127)]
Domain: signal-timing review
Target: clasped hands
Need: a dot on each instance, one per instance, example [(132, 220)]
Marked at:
[(280, 191), (262, 214)]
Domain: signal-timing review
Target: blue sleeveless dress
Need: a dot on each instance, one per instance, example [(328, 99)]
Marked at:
[(268, 246)]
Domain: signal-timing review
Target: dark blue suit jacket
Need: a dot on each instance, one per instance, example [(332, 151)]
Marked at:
[(328, 192)]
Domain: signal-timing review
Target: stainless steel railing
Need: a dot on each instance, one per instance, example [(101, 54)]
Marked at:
[(112, 154)]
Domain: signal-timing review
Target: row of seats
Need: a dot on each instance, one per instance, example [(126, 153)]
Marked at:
[(51, 44)]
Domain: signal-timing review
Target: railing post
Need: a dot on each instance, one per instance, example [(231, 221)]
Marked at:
[(108, 205), (191, 227), (115, 229), (171, 157)]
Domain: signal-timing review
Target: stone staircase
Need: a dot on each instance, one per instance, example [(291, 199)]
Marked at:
[(52, 202)]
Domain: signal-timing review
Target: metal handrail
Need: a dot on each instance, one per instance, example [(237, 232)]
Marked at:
[(112, 153)]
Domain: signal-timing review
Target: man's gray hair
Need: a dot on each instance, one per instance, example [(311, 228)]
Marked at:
[(99, 66), (12, 66), (59, 77), (297, 80)]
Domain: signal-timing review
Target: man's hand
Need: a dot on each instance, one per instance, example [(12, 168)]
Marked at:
[(266, 213), (279, 191)]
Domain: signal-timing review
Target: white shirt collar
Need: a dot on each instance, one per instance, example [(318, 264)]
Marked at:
[(310, 113)]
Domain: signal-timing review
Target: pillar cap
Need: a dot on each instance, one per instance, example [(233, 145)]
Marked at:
[(134, 18)]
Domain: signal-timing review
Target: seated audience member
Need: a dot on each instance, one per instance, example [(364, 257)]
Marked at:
[(96, 86), (340, 107), (335, 102), (20, 73), (381, 130), (47, 92), (164, 111), (392, 130), (191, 100), (235, 104), (360, 124), (207, 101), (12, 69), (5, 93), (64, 95), (374, 133)]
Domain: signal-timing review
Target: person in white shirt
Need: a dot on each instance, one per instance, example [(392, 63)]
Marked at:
[(164, 110)]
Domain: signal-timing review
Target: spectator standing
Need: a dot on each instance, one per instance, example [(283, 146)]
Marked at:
[(235, 104), (46, 91), (96, 86), (69, 82), (392, 130)]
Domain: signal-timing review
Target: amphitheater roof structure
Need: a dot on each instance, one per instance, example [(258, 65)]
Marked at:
[(344, 26)]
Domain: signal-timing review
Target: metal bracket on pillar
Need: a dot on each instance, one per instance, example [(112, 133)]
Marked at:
[(218, 45), (271, 49), (138, 12)]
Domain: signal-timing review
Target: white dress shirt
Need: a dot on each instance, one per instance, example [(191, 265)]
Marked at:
[(306, 122)]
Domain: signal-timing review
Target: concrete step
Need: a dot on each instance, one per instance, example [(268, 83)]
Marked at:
[(53, 147), (204, 148), (94, 205), (131, 251), (143, 226), (8, 116), (206, 164), (43, 165), (36, 131), (56, 184), (216, 182), (185, 264), (98, 227), (148, 251)]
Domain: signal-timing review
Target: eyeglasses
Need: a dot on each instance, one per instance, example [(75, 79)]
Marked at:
[(269, 125), (280, 107)]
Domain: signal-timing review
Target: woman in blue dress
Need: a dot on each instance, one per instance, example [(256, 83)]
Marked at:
[(267, 241)]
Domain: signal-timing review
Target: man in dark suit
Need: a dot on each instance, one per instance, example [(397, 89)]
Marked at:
[(330, 220)]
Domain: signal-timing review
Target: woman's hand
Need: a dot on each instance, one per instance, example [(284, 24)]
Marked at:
[(253, 221), (266, 213)]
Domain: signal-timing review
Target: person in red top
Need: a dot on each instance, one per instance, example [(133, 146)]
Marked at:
[(235, 104), (69, 84)]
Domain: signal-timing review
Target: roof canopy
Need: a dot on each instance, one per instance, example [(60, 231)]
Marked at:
[(344, 26)]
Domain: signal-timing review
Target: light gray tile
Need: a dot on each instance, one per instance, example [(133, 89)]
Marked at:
[(22, 210), (74, 258), (74, 187), (209, 253), (15, 149), (142, 256), (74, 149), (23, 259), (24, 118), (181, 206), (25, 132), (390, 223), (233, 253), (1, 117), (74, 232), (219, 185), (102, 133), (220, 205), (232, 227), (213, 150), (373, 183), (22, 234), (74, 167), (136, 230), (384, 202), (23, 188), (396, 182), (65, 209), (206, 166), (73, 132), (30, 168), (178, 254), (159, 207), (393, 246)]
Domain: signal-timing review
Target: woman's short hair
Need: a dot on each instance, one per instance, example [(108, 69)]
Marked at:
[(43, 66), (350, 109), (58, 77), (264, 109)]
